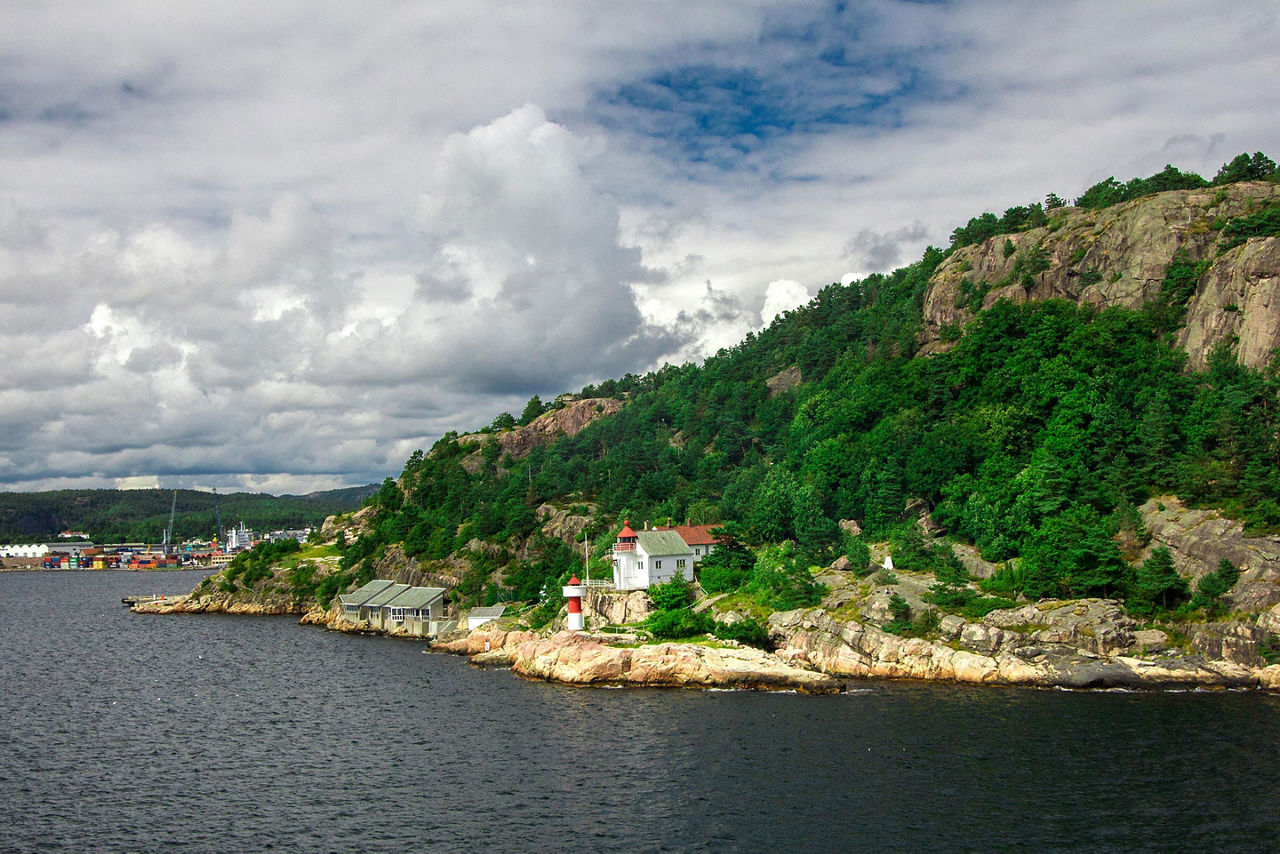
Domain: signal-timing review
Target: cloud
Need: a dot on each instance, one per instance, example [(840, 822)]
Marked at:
[(286, 245), (782, 295), (878, 251)]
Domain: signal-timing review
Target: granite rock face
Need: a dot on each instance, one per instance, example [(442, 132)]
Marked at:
[(1057, 654), (580, 660), (617, 608), (1199, 539), (543, 430), (1118, 257)]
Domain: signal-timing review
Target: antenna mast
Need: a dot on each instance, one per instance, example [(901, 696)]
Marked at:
[(168, 532), (217, 515)]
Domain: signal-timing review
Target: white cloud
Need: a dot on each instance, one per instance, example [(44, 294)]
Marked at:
[(782, 295), (286, 244)]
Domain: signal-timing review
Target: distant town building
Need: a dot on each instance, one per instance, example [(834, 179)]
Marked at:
[(24, 550), (239, 538)]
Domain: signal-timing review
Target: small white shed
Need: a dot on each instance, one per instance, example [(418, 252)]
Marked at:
[(479, 616)]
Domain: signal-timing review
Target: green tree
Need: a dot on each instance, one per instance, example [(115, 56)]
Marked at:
[(1156, 585), (727, 568), (1242, 167), (532, 410), (1213, 586), (772, 506)]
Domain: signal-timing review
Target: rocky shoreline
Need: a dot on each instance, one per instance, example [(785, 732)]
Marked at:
[(850, 649), (1078, 644)]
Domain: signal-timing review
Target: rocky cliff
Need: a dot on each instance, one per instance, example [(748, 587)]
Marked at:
[(519, 442), (1118, 257), (1085, 644), (1199, 538)]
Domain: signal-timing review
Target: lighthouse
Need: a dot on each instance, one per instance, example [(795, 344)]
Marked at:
[(573, 593)]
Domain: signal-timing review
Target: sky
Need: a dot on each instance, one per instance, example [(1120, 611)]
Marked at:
[(278, 246)]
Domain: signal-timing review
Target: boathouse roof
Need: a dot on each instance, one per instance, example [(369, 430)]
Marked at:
[(387, 596), (365, 592), (419, 597)]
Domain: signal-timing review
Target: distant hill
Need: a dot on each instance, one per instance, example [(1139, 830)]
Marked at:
[(141, 515)]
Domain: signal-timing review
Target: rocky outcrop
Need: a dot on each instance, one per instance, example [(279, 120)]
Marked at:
[(496, 645), (351, 525), (784, 380), (1200, 539), (541, 431), (1118, 257), (617, 608), (221, 604), (581, 660), (395, 565), (987, 654), (563, 524), (1238, 297)]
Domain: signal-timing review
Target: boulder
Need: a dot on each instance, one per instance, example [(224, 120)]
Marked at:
[(851, 527), (972, 560), (575, 659), (616, 608)]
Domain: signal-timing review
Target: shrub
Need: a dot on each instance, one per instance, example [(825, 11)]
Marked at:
[(781, 581), (901, 613), (746, 631), (859, 555), (727, 568), (1212, 586), (679, 623), (672, 595)]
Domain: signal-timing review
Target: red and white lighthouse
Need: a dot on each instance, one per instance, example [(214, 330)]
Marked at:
[(573, 593)]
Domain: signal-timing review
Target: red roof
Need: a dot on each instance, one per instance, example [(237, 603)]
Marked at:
[(626, 531), (693, 535)]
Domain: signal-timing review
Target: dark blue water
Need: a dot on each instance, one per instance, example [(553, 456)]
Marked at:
[(217, 733)]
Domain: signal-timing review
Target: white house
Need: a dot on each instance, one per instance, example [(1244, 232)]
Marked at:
[(649, 557)]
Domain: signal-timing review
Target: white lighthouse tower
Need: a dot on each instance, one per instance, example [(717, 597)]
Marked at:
[(573, 593)]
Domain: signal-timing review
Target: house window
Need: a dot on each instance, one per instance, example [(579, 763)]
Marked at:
[(697, 550), (657, 564), (680, 563)]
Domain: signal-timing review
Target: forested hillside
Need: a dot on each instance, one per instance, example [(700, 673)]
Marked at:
[(1033, 434), (141, 515)]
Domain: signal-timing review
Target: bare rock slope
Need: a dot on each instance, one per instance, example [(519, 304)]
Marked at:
[(1118, 257)]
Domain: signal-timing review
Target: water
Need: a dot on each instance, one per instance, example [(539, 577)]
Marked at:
[(135, 733)]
